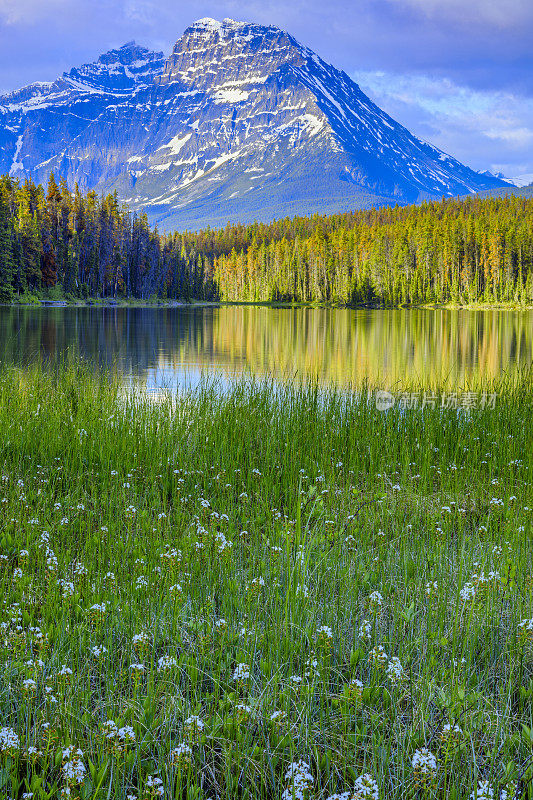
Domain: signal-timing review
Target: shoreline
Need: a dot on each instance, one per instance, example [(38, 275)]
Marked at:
[(168, 304)]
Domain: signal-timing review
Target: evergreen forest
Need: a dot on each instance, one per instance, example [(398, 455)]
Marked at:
[(59, 243)]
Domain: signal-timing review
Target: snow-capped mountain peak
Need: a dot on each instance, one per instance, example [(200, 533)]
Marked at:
[(522, 180), (241, 121)]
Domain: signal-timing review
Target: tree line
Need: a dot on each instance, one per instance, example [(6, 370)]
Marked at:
[(83, 245)]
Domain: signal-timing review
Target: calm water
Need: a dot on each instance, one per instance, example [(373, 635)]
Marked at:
[(165, 348)]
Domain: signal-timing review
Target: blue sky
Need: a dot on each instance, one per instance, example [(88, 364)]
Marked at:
[(458, 73)]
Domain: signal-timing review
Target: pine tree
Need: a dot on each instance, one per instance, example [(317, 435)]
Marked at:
[(7, 266)]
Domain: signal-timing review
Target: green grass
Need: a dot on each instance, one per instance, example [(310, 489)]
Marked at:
[(278, 511)]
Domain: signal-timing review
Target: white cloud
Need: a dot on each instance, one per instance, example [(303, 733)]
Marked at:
[(486, 129), (140, 11), (14, 12), (517, 137), (502, 13)]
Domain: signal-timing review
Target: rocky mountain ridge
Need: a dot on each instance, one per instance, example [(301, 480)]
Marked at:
[(239, 122)]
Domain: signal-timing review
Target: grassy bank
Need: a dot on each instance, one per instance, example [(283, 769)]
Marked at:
[(198, 595)]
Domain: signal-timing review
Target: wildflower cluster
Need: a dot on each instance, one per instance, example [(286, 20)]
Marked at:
[(424, 767), (299, 781)]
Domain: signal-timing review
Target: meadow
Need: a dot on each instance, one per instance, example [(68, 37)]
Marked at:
[(273, 592)]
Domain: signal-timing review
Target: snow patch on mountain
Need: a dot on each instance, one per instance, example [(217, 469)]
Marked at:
[(230, 96), (17, 166), (176, 143)]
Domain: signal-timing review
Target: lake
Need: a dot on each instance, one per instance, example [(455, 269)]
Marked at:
[(158, 348)]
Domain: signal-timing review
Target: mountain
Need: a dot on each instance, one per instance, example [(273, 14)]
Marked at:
[(57, 126), (240, 122), (504, 191), (522, 180)]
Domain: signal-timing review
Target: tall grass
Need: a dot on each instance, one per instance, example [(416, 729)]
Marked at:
[(368, 570)]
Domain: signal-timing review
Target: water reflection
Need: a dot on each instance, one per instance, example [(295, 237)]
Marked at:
[(171, 347)]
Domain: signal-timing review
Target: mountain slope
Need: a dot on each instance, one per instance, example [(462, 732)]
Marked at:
[(240, 122), (507, 191)]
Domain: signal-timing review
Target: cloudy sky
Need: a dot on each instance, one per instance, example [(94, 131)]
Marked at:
[(458, 73)]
